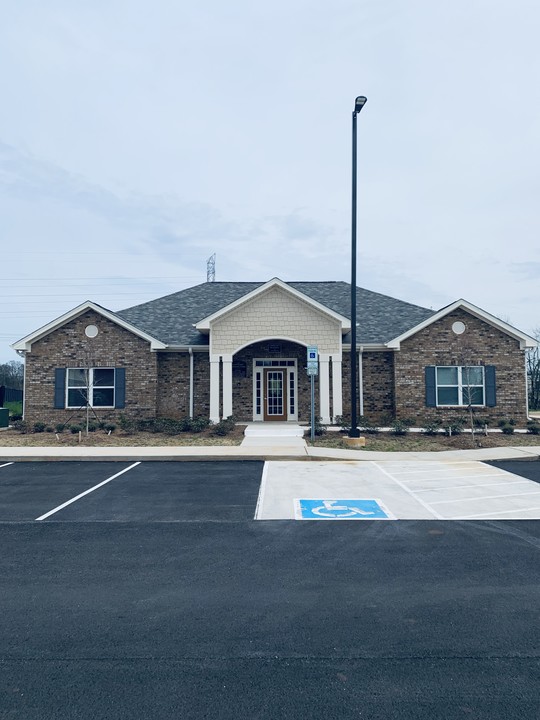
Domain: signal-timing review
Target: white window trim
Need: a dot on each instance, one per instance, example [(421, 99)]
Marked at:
[(90, 388), (291, 370), (460, 385)]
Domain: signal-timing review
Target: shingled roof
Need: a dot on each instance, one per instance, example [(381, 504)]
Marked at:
[(171, 318)]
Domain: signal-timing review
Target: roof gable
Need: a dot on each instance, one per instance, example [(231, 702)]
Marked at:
[(26, 342), (204, 324), (525, 340)]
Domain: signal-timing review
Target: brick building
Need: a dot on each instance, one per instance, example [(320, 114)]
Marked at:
[(239, 348)]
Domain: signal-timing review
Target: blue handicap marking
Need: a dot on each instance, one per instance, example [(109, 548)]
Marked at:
[(358, 509)]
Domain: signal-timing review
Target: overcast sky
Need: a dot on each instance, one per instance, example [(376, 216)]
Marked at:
[(138, 138)]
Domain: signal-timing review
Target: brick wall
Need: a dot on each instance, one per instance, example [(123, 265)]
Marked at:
[(480, 344), (378, 385), (69, 347), (173, 384)]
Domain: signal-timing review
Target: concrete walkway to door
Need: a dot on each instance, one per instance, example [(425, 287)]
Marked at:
[(275, 435)]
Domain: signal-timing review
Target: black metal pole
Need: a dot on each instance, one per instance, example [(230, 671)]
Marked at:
[(354, 432)]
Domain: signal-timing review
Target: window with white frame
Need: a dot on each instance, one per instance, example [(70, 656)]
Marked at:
[(460, 385), (94, 386)]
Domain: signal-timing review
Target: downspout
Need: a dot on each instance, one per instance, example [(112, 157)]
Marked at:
[(22, 353), (191, 382), (361, 380)]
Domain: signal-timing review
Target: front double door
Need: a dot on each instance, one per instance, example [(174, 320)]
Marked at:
[(275, 394)]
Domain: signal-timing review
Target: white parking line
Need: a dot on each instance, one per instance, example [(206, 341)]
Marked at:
[(410, 492), (86, 492), (473, 485), (483, 497), (6, 464)]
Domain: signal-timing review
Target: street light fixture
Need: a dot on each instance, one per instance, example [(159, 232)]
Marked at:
[(354, 432)]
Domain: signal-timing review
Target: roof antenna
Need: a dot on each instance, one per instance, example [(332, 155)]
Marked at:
[(211, 268)]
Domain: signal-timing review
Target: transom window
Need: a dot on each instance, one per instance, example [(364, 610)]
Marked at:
[(460, 385), (92, 386)]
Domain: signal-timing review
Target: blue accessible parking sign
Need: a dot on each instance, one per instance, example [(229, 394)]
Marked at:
[(357, 509)]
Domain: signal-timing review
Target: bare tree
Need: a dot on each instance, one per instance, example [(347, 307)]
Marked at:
[(533, 374), (12, 374)]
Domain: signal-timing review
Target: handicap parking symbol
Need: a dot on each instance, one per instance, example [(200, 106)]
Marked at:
[(327, 509)]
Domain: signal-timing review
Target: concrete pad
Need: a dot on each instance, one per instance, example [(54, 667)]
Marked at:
[(410, 490)]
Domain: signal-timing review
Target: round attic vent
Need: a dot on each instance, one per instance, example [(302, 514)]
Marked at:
[(458, 327), (91, 331)]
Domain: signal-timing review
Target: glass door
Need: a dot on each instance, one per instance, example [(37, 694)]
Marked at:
[(275, 394)]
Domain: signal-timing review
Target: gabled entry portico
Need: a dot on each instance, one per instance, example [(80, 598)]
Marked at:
[(276, 315)]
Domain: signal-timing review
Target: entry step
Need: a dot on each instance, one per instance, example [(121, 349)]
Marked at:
[(274, 430)]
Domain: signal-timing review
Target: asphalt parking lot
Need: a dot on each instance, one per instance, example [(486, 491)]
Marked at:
[(156, 595)]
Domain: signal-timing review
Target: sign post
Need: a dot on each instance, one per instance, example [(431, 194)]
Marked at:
[(312, 370)]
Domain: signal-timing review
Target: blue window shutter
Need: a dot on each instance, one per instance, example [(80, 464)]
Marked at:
[(60, 388), (431, 389), (491, 391), (120, 388)]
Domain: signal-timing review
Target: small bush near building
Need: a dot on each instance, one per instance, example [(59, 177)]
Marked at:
[(39, 427), (507, 426), (367, 426), (533, 427), (454, 426), (400, 427), (432, 427), (223, 427)]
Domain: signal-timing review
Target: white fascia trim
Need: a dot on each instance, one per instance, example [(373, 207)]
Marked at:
[(362, 347), (187, 348), (25, 343), (204, 324), (526, 341)]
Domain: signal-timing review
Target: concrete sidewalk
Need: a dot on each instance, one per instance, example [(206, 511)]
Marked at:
[(259, 452)]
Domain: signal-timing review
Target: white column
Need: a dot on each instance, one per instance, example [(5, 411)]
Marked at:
[(214, 388), (227, 385), (324, 388), (337, 387)]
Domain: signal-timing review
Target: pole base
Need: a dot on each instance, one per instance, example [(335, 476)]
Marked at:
[(355, 441)]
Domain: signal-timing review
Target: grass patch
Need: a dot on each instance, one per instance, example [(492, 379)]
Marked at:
[(15, 408)]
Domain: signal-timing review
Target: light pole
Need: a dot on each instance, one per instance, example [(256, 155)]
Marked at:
[(354, 432)]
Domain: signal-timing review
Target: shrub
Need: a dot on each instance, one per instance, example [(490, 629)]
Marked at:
[(149, 425), (367, 426), (454, 426), (432, 427), (127, 425), (93, 426), (39, 427), (20, 425), (533, 427), (109, 427), (49, 429), (507, 426), (198, 424), (75, 429), (344, 422), (400, 427), (318, 428), (223, 427), (59, 427)]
